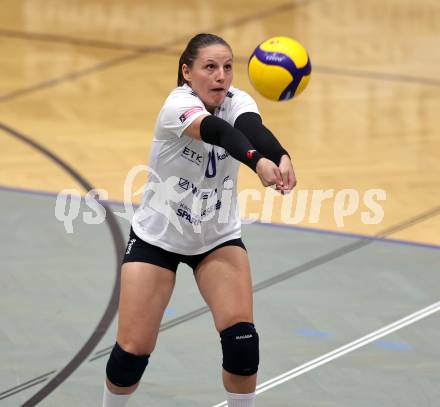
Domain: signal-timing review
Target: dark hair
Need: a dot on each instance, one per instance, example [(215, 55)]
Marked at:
[(189, 55)]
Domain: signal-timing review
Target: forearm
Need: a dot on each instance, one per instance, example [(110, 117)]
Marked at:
[(251, 125), (220, 133)]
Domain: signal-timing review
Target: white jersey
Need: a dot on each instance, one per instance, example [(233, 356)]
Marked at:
[(190, 199)]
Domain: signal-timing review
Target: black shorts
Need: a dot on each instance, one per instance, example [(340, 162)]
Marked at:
[(139, 250)]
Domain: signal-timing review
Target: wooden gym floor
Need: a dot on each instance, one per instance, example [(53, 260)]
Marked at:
[(81, 83)]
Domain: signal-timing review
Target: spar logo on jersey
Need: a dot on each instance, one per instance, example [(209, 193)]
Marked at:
[(188, 113), (186, 213)]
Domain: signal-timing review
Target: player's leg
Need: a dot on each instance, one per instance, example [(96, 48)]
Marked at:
[(145, 293), (224, 280)]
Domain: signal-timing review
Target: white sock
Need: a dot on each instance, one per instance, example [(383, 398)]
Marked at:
[(114, 400), (240, 400)]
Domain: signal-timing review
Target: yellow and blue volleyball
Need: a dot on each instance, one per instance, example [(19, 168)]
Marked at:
[(279, 68)]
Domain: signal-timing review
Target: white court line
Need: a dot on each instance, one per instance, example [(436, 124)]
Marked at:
[(349, 347)]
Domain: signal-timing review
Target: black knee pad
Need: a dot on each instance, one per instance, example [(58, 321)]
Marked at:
[(125, 369), (240, 349)]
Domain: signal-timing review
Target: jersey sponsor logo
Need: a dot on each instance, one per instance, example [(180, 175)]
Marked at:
[(188, 113), (222, 156), (212, 208), (229, 94), (187, 216), (185, 213), (184, 184), (196, 191), (211, 167), (203, 193), (192, 156)]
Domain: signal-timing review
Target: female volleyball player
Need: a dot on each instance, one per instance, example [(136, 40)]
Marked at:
[(189, 214)]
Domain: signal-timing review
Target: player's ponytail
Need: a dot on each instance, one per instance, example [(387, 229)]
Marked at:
[(191, 51)]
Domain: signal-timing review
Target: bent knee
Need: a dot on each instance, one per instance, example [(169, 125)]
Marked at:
[(240, 346), (136, 346), (125, 369), (227, 321)]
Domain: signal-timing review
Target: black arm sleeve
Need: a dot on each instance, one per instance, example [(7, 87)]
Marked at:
[(214, 130), (261, 137)]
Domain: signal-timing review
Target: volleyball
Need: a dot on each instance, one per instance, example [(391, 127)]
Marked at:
[(279, 68)]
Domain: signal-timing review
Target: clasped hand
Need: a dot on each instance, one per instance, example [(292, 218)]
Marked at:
[(281, 177)]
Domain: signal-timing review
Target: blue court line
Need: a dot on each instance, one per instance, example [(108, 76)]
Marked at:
[(392, 345), (266, 224), (312, 333)]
